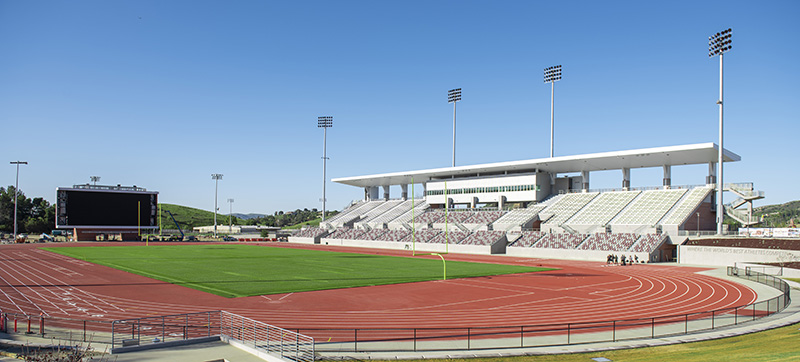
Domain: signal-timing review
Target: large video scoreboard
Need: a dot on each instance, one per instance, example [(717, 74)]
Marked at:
[(106, 207)]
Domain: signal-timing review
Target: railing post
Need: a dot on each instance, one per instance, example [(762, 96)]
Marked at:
[(614, 331), (653, 328), (469, 337), (254, 334), (521, 336), (686, 325), (355, 341), (112, 332), (415, 339), (569, 334), (163, 329), (712, 319)]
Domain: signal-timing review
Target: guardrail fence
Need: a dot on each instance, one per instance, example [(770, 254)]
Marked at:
[(266, 338), (299, 347)]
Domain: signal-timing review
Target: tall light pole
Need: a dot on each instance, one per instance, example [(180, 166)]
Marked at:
[(216, 177), (230, 216), (453, 96), (551, 75), (324, 122), (16, 194), (94, 179), (718, 44)]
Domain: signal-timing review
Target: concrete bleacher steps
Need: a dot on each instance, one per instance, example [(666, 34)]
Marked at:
[(601, 210), (564, 208)]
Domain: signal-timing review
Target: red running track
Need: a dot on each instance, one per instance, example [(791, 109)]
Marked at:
[(35, 281)]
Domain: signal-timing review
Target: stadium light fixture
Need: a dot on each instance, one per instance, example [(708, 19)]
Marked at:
[(718, 44), (94, 179), (230, 216), (551, 75), (16, 194), (216, 177), (453, 96), (324, 122)]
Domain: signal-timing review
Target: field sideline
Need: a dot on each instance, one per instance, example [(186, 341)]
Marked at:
[(247, 270)]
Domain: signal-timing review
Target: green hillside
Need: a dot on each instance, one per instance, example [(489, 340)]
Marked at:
[(779, 215), (189, 217)]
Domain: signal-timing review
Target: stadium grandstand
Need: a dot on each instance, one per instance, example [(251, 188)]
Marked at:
[(538, 208)]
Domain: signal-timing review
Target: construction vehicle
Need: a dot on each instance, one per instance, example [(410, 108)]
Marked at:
[(174, 237)]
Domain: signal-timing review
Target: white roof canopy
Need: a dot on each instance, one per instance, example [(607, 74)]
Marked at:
[(701, 153)]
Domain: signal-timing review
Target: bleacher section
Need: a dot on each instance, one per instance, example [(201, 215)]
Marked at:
[(377, 212), (649, 208), (310, 232), (609, 242), (404, 219), (528, 239), (564, 208), (571, 225), (483, 237), (352, 213), (450, 237), (391, 214), (393, 235), (602, 209), (648, 243), (517, 218), (559, 241), (421, 236), (687, 205)]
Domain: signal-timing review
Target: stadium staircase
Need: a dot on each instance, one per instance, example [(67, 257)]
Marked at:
[(746, 197)]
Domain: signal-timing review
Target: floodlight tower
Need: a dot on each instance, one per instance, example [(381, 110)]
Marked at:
[(230, 216), (16, 194), (94, 179), (216, 177), (718, 44), (453, 96), (551, 75), (324, 122)]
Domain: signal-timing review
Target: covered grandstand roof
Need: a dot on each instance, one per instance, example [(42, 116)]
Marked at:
[(648, 157)]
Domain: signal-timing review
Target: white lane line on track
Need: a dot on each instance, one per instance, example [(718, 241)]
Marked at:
[(62, 292), (281, 298), (71, 287), (20, 292)]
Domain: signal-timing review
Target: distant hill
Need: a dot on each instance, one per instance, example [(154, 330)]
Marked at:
[(189, 217), (248, 216), (779, 215)]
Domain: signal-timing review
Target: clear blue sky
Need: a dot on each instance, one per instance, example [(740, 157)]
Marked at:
[(161, 94)]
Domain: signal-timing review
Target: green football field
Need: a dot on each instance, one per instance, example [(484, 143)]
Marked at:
[(246, 270)]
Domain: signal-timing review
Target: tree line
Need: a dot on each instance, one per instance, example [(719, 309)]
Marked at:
[(281, 219), (34, 216)]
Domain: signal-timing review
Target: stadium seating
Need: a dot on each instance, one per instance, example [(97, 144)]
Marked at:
[(648, 243), (603, 208), (390, 214), (482, 237), (559, 241), (310, 232), (687, 205), (421, 236), (373, 234), (484, 217), (346, 233), (609, 242), (429, 217), (450, 237), (392, 235), (649, 208), (565, 206), (528, 238), (378, 211)]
